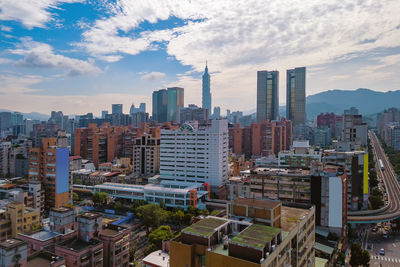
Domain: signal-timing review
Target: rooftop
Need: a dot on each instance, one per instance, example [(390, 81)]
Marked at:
[(61, 209), (255, 236), (269, 204), (205, 227), (11, 243), (78, 244), (290, 216), (90, 215), (42, 235), (7, 186), (157, 258), (279, 171), (43, 259)]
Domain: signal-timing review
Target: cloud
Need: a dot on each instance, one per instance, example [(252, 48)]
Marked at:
[(5, 28), (240, 37), (5, 60), (41, 55), (17, 91), (152, 76), (31, 13)]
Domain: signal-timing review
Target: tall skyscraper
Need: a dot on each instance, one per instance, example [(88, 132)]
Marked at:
[(206, 100), (296, 95), (160, 102), (267, 95), (166, 104), (175, 101), (104, 113), (217, 113), (116, 108)]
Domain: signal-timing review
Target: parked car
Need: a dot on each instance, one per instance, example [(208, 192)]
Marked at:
[(382, 252)]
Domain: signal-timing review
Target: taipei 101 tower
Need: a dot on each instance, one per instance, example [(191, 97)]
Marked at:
[(206, 96)]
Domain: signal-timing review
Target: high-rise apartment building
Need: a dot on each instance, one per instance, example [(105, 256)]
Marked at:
[(267, 95), (104, 143), (193, 113), (117, 109), (166, 104), (146, 154), (195, 154), (206, 94), (296, 95), (50, 165)]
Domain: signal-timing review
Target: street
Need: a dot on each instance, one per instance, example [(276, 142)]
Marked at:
[(375, 242)]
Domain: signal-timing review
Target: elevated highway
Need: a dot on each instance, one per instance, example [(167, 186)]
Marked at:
[(389, 178)]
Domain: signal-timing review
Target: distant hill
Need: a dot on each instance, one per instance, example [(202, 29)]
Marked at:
[(31, 115), (367, 101)]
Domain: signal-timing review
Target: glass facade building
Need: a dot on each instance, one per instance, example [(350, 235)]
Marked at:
[(267, 95), (296, 95)]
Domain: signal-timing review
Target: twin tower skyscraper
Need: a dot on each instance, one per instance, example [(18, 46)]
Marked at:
[(268, 95)]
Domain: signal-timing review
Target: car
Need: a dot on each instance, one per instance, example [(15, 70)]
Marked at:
[(387, 228), (385, 235), (374, 229), (379, 225), (382, 251)]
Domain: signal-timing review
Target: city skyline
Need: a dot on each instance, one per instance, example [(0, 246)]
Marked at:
[(81, 56)]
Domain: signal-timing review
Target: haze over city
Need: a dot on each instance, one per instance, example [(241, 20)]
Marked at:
[(80, 56)]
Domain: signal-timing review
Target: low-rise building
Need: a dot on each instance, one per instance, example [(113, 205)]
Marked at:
[(13, 253), (45, 258), (215, 241), (173, 194)]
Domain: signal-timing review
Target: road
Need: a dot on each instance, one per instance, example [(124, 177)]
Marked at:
[(391, 246), (391, 184)]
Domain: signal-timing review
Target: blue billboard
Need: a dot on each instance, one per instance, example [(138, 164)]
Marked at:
[(62, 182)]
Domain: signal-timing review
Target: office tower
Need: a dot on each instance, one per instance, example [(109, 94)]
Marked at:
[(104, 113), (116, 108), (166, 104), (206, 100), (160, 103), (296, 95), (267, 95), (16, 119), (50, 165), (5, 120), (138, 118), (217, 113), (193, 113), (142, 107), (146, 154), (175, 101), (195, 154)]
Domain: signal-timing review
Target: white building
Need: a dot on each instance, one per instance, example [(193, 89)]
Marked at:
[(173, 194), (195, 154)]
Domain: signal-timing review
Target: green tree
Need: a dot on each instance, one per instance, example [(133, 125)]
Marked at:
[(132, 251), (156, 237), (100, 198), (359, 256), (137, 204), (118, 205), (16, 258), (177, 217), (75, 196), (152, 215), (376, 202)]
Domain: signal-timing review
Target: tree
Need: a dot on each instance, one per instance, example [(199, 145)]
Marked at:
[(152, 215), (75, 196), (100, 198), (137, 204), (156, 237), (359, 256), (118, 205), (132, 251), (376, 202), (16, 259), (177, 217)]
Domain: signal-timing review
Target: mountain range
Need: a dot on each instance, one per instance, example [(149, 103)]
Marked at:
[(367, 101)]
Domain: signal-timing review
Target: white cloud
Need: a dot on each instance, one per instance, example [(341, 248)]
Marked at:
[(41, 55), (5, 28), (5, 60), (31, 13), (16, 92), (240, 37), (152, 76)]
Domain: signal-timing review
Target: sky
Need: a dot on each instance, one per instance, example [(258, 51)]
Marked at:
[(81, 56)]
